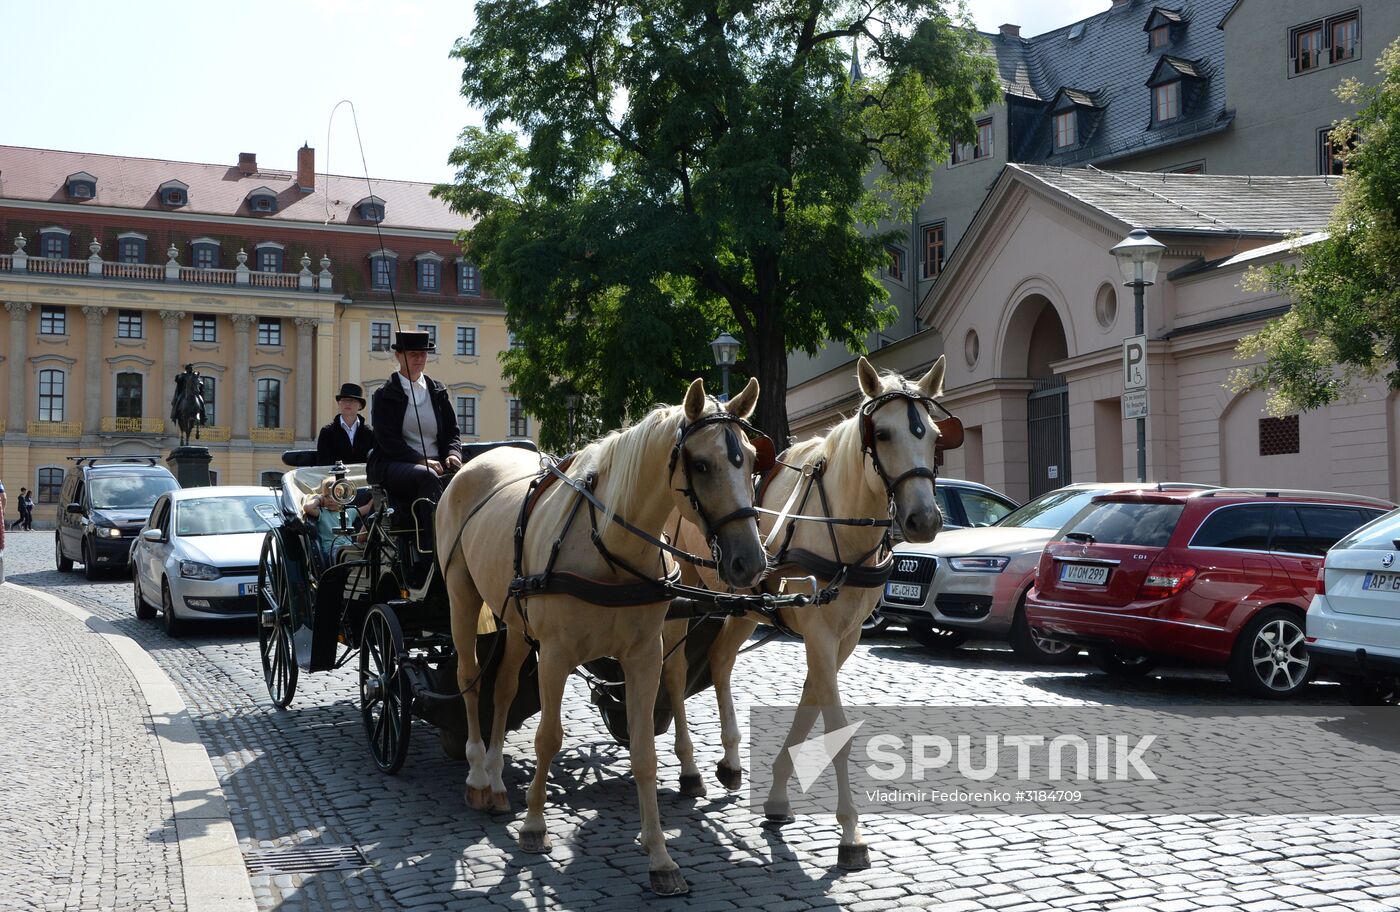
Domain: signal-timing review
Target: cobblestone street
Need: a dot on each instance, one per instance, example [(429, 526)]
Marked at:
[(303, 778)]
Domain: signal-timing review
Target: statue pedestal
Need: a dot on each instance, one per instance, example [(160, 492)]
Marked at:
[(190, 464)]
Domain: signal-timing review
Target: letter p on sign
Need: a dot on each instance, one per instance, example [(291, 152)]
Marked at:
[(1135, 363)]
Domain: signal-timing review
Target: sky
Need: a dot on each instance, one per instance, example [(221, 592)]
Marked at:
[(201, 81)]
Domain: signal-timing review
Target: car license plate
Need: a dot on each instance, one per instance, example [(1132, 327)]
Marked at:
[(1084, 574), (247, 588), (904, 591), (1390, 582)]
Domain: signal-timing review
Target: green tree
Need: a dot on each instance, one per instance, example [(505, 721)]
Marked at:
[(1344, 323), (651, 172)]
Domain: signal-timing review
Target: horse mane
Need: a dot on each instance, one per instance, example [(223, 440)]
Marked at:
[(619, 457)]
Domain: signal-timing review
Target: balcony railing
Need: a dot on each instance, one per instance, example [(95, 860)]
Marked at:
[(270, 435), (133, 425), (214, 433), (67, 430), (95, 267), (2, 427)]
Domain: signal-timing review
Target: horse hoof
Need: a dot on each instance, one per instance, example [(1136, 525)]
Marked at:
[(692, 785), (668, 883), (534, 842), (853, 857), (731, 779), (478, 799), (500, 803)]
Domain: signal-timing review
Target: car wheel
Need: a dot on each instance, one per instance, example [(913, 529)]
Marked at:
[(875, 623), (1371, 691), (89, 568), (1270, 658), (143, 609), (1030, 646), (938, 639), (1121, 664), (64, 564), (173, 625)]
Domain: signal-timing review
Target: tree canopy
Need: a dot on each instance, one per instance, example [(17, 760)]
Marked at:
[(652, 172), (1344, 323)]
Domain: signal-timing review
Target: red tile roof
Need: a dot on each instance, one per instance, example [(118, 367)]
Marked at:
[(217, 190)]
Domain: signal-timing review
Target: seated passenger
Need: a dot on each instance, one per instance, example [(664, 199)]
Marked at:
[(323, 510), (416, 442)]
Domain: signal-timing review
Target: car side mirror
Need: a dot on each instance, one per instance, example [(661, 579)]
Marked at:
[(152, 535), (75, 508)]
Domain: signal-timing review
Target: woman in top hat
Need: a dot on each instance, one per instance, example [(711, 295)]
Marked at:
[(347, 438), (416, 437)]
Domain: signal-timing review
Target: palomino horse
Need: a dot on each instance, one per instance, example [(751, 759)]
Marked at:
[(694, 459), (877, 464)]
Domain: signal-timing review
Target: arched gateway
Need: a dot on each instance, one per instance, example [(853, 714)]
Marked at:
[(1035, 339)]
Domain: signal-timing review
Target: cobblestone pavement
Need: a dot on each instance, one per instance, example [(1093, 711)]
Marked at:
[(303, 777), (78, 752)]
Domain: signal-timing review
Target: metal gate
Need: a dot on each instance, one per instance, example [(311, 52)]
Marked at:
[(1047, 414)]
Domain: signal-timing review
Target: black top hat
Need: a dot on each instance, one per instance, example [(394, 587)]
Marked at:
[(413, 342), (352, 391)]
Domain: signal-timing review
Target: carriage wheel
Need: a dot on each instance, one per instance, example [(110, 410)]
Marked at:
[(275, 623), (386, 694)]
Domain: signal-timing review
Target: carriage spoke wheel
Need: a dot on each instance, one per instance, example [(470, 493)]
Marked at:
[(386, 695), (275, 626)]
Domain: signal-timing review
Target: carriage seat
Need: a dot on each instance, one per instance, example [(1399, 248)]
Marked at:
[(300, 459)]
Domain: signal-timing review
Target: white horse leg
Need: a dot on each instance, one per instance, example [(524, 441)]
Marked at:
[(641, 667), (724, 652), (534, 835), (507, 685), (674, 671), (465, 601), (852, 853)]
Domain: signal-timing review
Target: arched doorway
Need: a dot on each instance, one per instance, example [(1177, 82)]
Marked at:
[(1035, 339)]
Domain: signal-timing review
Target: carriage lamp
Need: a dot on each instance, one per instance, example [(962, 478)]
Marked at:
[(726, 349), (1138, 256)]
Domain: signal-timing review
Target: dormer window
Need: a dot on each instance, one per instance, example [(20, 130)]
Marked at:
[(204, 253), (382, 266), (1164, 27), (370, 209), (174, 193), (1074, 114), (53, 243), (131, 247), (1166, 101), (81, 186), (468, 278), (429, 272), (1066, 130), (268, 256), (262, 200), (1174, 84), (1158, 37)]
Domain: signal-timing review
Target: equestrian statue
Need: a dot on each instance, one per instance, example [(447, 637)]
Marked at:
[(187, 408)]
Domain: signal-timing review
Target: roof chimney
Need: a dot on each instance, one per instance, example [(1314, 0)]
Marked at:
[(1010, 30), (306, 168), (1119, 4), (247, 163)]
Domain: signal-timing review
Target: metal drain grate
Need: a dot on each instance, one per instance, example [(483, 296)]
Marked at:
[(305, 860)]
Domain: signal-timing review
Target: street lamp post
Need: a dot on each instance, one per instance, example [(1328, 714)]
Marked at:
[(1138, 257), (726, 349)]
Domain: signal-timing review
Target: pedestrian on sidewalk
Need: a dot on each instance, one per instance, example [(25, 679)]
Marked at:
[(26, 500)]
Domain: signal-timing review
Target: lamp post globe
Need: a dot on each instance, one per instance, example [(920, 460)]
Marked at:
[(726, 351), (1139, 255)]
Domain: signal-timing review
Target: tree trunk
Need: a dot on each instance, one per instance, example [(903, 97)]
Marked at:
[(768, 362)]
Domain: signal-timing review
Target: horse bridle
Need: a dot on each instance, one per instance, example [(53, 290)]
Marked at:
[(764, 459), (949, 429)]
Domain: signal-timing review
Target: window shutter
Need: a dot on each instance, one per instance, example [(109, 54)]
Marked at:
[(1293, 44)]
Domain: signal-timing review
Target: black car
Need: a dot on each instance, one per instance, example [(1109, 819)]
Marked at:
[(105, 501)]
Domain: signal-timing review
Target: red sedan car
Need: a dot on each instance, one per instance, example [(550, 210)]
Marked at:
[(1221, 577)]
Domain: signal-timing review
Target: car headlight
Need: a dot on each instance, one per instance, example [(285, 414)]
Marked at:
[(108, 532), (196, 570), (978, 564)]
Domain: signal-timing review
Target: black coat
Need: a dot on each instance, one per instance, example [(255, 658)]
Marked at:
[(333, 444), (386, 411)]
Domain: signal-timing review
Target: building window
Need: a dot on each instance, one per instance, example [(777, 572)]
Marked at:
[(264, 201), (984, 139), (270, 479), (51, 395), (1166, 101), (1065, 133), (431, 330), (129, 395), (1158, 37), (512, 341), (80, 190), (466, 341), (895, 270), (379, 337), (519, 424), (205, 328), (371, 209), (210, 415), (468, 279), (270, 333), (53, 244), (131, 250), (50, 485), (466, 415), (53, 320), (206, 255), (128, 324), (1278, 436), (933, 250), (381, 272), (269, 403), (1346, 32), (1307, 48), (962, 151), (269, 259), (172, 193), (428, 276)]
